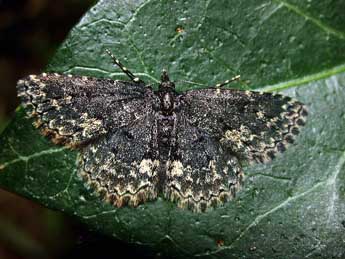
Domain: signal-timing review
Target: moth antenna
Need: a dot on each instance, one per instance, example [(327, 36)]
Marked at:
[(235, 78), (123, 68)]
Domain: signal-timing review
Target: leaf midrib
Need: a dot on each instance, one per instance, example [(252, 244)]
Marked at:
[(305, 79)]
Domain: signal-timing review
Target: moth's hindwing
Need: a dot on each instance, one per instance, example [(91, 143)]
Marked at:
[(202, 173), (120, 168)]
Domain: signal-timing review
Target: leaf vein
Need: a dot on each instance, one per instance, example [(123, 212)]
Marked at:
[(105, 72), (305, 79), (332, 182), (259, 218), (103, 20), (129, 22), (139, 54), (21, 158), (326, 28)]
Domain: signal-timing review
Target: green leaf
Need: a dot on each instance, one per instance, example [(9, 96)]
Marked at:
[(291, 208)]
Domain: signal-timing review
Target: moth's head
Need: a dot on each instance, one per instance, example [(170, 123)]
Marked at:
[(165, 81)]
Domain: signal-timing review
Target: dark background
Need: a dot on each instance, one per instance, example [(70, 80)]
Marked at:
[(30, 32)]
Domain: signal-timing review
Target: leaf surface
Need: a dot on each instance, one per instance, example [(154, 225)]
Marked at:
[(291, 208)]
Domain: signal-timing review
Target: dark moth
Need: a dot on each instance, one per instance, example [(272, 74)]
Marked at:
[(136, 143)]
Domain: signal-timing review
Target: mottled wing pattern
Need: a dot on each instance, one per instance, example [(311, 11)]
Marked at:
[(74, 110), (202, 173), (120, 167), (254, 126), (116, 126)]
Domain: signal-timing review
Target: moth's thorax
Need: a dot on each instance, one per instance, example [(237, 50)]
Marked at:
[(167, 98), (165, 86), (166, 93), (166, 117)]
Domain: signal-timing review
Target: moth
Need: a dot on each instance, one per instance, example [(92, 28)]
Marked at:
[(137, 143)]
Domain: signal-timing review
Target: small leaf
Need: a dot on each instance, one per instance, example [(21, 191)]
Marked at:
[(292, 207)]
